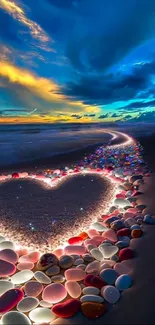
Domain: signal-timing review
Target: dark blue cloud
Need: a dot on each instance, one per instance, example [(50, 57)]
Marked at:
[(104, 89), (116, 115), (148, 117), (103, 116), (78, 117), (89, 115)]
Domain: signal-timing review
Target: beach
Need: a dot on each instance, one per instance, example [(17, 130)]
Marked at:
[(71, 208)]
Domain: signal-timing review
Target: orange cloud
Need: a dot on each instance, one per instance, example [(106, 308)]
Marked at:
[(43, 88), (18, 13)]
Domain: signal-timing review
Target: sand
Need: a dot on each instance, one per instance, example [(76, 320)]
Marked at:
[(54, 214)]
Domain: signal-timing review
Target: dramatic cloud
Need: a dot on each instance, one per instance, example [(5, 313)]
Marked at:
[(18, 14), (69, 60), (107, 31)]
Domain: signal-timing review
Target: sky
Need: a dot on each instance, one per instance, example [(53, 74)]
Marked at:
[(65, 61)]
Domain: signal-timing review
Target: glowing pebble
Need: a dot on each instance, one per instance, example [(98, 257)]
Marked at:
[(6, 268), (83, 235), (97, 254), (123, 282), (75, 240), (33, 288), (122, 203), (15, 175), (73, 288), (22, 277), (92, 298), (108, 251), (45, 304), (33, 256), (14, 318), (110, 294), (7, 244), (41, 315), (10, 299), (54, 293), (9, 255), (74, 249), (27, 304), (25, 266), (2, 239), (98, 226), (75, 274), (111, 235), (93, 267), (90, 242), (22, 251), (23, 175), (97, 240), (91, 291), (42, 277), (58, 252), (92, 232), (5, 286), (59, 278)]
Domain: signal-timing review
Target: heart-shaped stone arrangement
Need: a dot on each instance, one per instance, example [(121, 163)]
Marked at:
[(40, 216), (86, 275)]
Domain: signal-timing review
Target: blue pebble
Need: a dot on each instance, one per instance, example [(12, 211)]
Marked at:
[(123, 282)]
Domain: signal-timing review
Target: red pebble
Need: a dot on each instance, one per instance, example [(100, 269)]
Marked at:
[(64, 174), (123, 232), (104, 217), (94, 281), (67, 309), (126, 254), (10, 299), (87, 280), (109, 168), (6, 268), (120, 196), (75, 240), (15, 175), (136, 193)]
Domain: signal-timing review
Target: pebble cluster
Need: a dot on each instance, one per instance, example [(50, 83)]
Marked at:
[(89, 273)]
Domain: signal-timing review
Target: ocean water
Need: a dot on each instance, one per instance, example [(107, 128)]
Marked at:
[(26, 143)]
